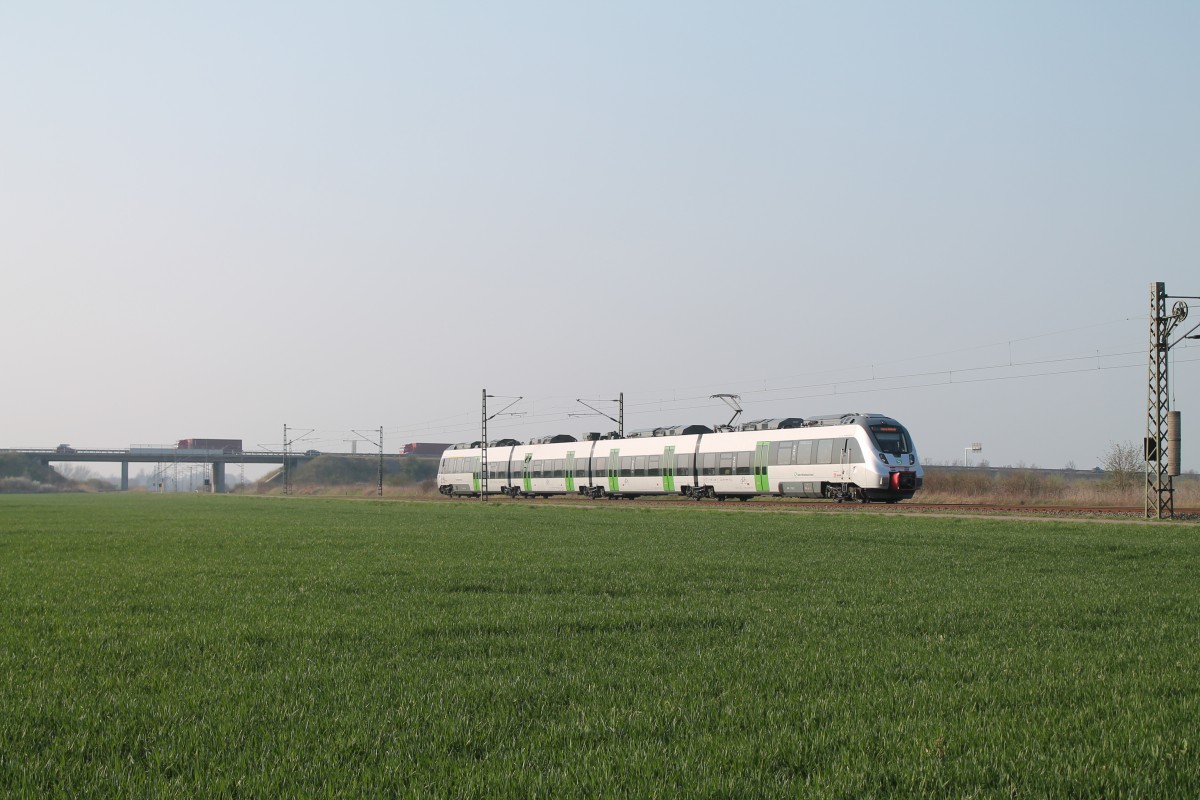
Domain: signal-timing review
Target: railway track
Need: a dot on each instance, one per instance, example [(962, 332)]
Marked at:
[(908, 506)]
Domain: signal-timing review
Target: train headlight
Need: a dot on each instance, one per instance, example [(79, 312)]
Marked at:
[(883, 458), (912, 459)]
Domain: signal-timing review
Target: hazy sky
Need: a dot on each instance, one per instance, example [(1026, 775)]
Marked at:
[(217, 218)]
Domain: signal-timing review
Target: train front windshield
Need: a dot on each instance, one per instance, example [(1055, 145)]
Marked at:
[(891, 439)]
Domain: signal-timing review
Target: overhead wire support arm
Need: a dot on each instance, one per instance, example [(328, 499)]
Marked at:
[(378, 444), (483, 440), (287, 448), (619, 419)]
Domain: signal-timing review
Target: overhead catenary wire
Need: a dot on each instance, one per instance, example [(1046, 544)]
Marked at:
[(875, 379), (847, 388)]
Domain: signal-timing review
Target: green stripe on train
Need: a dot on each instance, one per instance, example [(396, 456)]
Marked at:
[(761, 481)]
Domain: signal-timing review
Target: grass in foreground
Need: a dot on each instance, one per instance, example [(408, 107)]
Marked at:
[(249, 646)]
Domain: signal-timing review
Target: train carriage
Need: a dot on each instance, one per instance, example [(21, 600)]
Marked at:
[(863, 457)]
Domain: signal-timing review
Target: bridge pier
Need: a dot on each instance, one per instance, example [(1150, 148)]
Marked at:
[(218, 477), (124, 476)]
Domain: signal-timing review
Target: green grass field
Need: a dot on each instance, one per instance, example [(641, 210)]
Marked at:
[(261, 647)]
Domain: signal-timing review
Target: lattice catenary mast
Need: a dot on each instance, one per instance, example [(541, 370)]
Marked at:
[(1163, 433)]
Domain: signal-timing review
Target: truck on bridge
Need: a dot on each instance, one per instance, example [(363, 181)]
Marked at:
[(222, 445)]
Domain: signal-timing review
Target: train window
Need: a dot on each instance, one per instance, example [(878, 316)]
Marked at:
[(600, 464), (626, 466), (824, 451), (683, 465), (744, 461), (709, 464), (654, 465), (854, 453), (639, 466), (782, 453), (804, 452), (727, 462), (891, 439), (560, 465)]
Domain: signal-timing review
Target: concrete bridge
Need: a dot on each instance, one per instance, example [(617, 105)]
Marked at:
[(165, 455)]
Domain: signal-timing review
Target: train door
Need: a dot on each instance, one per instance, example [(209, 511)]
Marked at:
[(851, 454), (526, 477), (853, 457), (614, 470), (475, 465), (570, 470), (668, 468), (761, 482)]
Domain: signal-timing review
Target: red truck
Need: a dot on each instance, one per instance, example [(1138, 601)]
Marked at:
[(224, 445), (423, 449)]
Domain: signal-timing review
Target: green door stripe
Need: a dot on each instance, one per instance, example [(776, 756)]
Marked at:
[(761, 481), (668, 468)]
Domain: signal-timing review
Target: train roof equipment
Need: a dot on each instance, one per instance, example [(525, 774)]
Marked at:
[(558, 438), (730, 400), (670, 430), (779, 423), (850, 418)]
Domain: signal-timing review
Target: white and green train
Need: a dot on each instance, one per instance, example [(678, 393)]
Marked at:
[(860, 457)]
